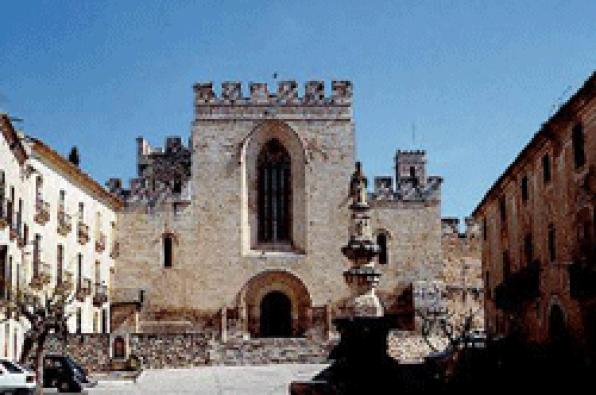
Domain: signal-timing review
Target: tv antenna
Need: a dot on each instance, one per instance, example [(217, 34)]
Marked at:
[(413, 135), (559, 102)]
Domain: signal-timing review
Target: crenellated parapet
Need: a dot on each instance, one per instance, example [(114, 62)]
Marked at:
[(287, 101), (163, 174)]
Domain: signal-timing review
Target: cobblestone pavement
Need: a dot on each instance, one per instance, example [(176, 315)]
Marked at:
[(213, 380)]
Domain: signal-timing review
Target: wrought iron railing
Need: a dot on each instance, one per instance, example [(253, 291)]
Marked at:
[(100, 296), (42, 212), (42, 274), (64, 223), (83, 289), (100, 242), (82, 233)]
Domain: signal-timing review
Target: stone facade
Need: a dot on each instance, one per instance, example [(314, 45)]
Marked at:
[(216, 271), (462, 271), (538, 221)]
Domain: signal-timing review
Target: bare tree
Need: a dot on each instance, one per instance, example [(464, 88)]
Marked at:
[(41, 314), (456, 328)]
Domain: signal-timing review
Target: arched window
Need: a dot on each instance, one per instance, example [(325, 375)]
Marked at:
[(382, 242), (274, 193), (168, 250)]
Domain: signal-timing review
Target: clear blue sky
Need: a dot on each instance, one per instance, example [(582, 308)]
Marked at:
[(475, 78)]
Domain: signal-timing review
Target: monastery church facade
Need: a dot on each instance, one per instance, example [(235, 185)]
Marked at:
[(241, 229)]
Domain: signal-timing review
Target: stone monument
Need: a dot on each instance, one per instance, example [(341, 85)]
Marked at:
[(361, 364)]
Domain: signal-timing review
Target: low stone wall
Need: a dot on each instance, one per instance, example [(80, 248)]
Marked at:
[(90, 350), (170, 351), (265, 351), (157, 351)]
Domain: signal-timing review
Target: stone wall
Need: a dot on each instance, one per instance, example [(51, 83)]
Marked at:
[(92, 351), (188, 350), (462, 271), (552, 225)]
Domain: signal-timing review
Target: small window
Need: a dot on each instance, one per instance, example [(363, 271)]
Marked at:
[(524, 189), (81, 212), (487, 284), (506, 265), (167, 251), (528, 248), (39, 188), (79, 320), (552, 252), (503, 209), (25, 234), (8, 279), (484, 229), (382, 242), (546, 174), (62, 198), (97, 273), (577, 142), (2, 184), (60, 263), (104, 321), (79, 271)]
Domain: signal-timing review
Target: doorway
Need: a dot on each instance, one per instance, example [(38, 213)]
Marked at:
[(276, 315)]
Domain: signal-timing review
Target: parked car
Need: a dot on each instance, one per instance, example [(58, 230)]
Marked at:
[(63, 373), (15, 379)]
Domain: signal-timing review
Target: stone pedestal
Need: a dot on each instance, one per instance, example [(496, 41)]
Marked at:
[(361, 364)]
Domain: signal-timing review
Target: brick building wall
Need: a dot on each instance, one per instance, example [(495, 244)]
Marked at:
[(538, 224)]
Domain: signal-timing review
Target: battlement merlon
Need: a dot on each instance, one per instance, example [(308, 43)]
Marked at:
[(286, 102)]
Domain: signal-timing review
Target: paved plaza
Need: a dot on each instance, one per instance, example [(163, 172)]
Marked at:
[(213, 380)]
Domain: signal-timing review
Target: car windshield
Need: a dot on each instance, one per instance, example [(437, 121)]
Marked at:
[(10, 367)]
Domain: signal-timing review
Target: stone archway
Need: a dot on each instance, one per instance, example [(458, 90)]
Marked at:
[(276, 315), (261, 294)]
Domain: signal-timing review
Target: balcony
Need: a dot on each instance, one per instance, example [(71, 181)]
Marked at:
[(14, 233), (65, 283), (100, 296), (519, 288), (64, 223), (100, 243), (42, 274), (115, 250), (83, 289), (42, 212), (3, 214), (82, 233)]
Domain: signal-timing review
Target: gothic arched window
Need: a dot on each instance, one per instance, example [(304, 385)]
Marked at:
[(274, 193)]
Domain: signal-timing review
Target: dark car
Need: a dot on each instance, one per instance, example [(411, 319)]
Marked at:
[(63, 373)]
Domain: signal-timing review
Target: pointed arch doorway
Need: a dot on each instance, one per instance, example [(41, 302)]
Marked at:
[(276, 315)]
